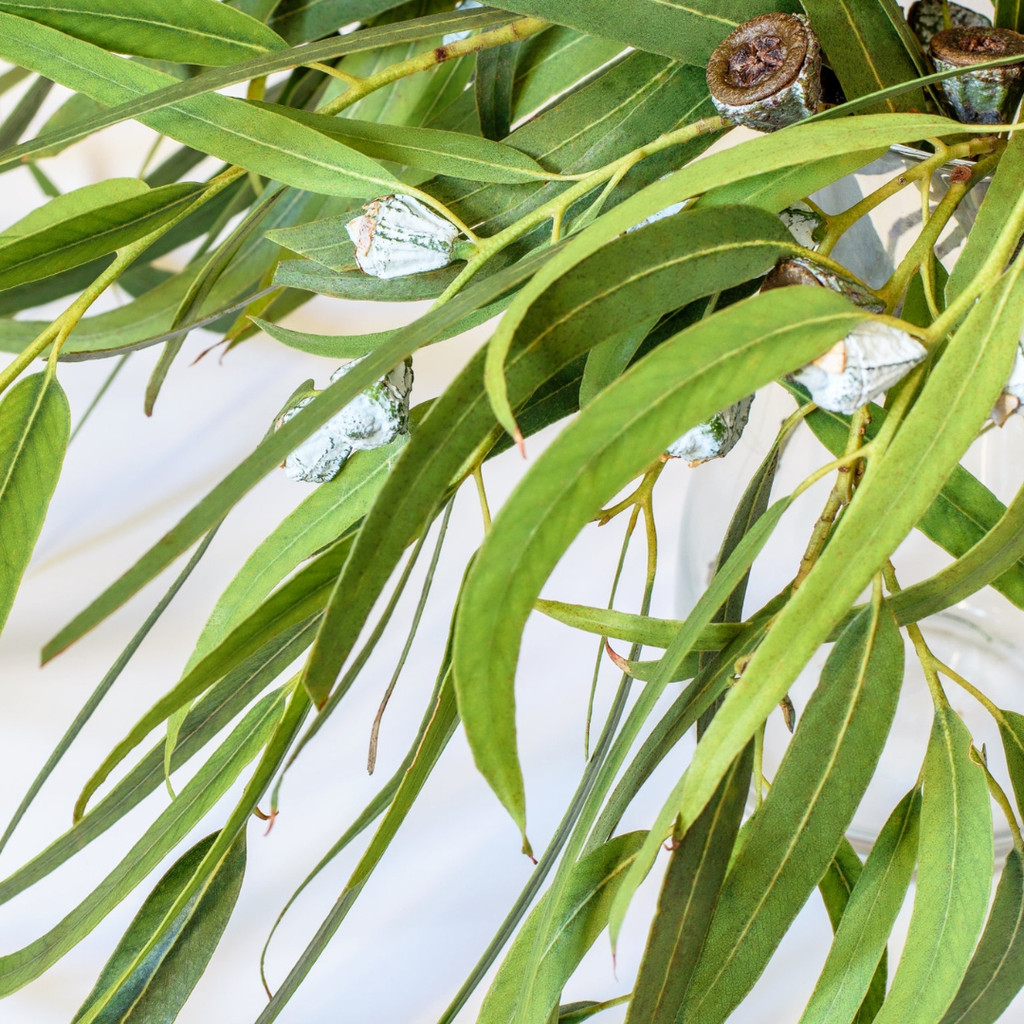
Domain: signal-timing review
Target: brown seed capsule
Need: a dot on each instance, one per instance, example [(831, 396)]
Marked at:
[(767, 73), (988, 96)]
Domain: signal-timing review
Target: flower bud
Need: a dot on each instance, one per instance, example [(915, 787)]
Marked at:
[(858, 369), (803, 223), (398, 235), (372, 419), (926, 18), (766, 74), (713, 438), (455, 37), (991, 95)]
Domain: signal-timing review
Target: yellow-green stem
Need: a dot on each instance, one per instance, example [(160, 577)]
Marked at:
[(999, 795)]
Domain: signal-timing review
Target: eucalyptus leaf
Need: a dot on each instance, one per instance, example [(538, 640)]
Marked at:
[(156, 991), (34, 426)]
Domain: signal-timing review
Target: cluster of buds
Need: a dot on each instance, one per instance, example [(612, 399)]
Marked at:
[(988, 96), (864, 364), (766, 74), (372, 419), (713, 438), (927, 18), (397, 235)]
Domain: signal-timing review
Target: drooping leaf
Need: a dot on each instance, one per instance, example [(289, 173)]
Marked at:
[(578, 919), (158, 988), (689, 895), (1010, 14), (954, 876), (74, 203), (34, 428), (172, 825), (868, 919), (996, 971), (685, 380), (796, 831), (187, 31), (953, 404)]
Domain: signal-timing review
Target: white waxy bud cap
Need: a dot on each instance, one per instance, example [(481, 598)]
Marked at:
[(455, 37), (371, 420), (713, 438), (856, 370), (1012, 399), (398, 235), (802, 222)]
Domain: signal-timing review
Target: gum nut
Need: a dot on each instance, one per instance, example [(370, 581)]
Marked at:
[(320, 457), (804, 272), (378, 415), (876, 357), (802, 223), (455, 37), (766, 74), (926, 18), (398, 235), (715, 437), (989, 96)]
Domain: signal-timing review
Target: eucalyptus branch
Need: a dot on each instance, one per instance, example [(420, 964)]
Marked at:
[(999, 795), (359, 88)]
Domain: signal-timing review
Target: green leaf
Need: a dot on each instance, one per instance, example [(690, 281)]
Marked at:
[(187, 31), (1010, 14), (669, 267), (169, 829), (1011, 731), (686, 31), (174, 91), (866, 49), (577, 920), (34, 426), (796, 832), (222, 126), (682, 382), (301, 20), (607, 361), (441, 152), (689, 895), (79, 238), (962, 515), (74, 203), (492, 86), (954, 876), (155, 991), (635, 629), (1003, 192), (996, 971), (322, 517), (895, 492), (355, 284), (868, 919)]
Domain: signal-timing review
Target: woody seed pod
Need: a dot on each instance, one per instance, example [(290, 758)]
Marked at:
[(856, 370), (926, 18), (800, 271), (371, 420), (767, 73), (398, 235), (991, 95), (713, 438)]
